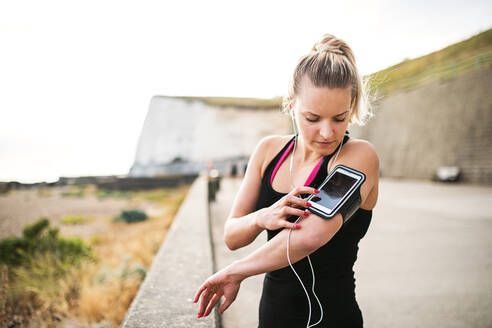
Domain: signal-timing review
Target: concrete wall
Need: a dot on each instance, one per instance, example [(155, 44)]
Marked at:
[(182, 264), (438, 124)]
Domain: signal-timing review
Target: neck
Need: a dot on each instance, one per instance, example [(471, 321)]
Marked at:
[(306, 154)]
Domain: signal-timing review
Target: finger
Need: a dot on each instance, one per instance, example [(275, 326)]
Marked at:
[(225, 305), (213, 301), (296, 201), (289, 199), (287, 211), (303, 190), (293, 226), (203, 304), (197, 295)]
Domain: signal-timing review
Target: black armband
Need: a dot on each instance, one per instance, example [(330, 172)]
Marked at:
[(339, 193), (352, 205)]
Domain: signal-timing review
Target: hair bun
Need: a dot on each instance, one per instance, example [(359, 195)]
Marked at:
[(329, 43)]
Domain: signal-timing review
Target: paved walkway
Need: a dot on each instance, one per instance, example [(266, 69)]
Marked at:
[(244, 311), (426, 260)]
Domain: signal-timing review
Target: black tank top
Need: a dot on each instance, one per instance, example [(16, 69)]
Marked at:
[(283, 301)]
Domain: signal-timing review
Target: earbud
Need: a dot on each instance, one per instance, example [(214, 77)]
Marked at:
[(291, 108)]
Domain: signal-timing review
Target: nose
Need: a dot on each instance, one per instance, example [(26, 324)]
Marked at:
[(326, 131)]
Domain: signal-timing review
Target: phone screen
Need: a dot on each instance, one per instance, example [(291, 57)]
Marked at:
[(333, 190)]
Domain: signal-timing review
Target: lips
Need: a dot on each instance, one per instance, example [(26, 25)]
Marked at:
[(324, 143)]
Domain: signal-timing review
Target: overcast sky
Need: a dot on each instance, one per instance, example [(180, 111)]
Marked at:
[(76, 78)]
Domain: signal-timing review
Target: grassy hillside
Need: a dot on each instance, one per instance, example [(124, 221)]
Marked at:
[(465, 56), (456, 59), (272, 103)]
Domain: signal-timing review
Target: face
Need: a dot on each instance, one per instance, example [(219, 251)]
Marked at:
[(322, 115)]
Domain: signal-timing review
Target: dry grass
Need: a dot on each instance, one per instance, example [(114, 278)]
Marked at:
[(96, 292), (106, 300)]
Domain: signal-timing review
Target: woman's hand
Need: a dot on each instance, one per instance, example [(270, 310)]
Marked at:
[(223, 282), (275, 216)]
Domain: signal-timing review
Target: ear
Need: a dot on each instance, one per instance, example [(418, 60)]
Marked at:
[(291, 108), (290, 101)]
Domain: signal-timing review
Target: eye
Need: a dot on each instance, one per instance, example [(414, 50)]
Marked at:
[(315, 120), (340, 120)]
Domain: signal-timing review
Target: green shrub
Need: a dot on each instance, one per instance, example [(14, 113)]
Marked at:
[(132, 216), (39, 239)]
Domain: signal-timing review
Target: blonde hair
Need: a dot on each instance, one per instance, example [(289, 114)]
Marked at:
[(331, 63)]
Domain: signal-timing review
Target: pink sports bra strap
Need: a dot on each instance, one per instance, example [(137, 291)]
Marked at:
[(280, 161), (286, 152), (313, 173)]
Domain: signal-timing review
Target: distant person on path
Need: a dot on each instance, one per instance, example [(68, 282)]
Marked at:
[(326, 93), (233, 170)]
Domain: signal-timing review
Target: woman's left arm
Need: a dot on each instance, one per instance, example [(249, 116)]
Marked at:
[(315, 232)]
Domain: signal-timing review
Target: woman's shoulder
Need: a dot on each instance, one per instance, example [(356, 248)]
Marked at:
[(269, 146), (359, 154), (356, 146), (272, 143)]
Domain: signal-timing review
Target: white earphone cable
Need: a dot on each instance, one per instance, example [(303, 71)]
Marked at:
[(290, 230)]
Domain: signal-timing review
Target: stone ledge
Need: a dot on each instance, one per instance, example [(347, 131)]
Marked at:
[(181, 265)]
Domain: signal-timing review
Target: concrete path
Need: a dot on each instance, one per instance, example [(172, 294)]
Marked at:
[(426, 260), (244, 311)]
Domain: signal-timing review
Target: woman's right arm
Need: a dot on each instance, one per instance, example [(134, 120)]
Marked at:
[(243, 225)]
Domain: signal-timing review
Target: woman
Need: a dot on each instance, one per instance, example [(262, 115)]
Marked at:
[(325, 95)]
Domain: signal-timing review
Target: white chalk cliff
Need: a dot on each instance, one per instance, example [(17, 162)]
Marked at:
[(198, 133)]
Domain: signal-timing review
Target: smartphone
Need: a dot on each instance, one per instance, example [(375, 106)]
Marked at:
[(337, 189)]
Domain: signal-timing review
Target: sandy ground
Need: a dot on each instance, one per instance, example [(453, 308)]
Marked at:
[(21, 207)]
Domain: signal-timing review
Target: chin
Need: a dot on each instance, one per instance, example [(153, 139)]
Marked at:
[(324, 145), (325, 149)]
